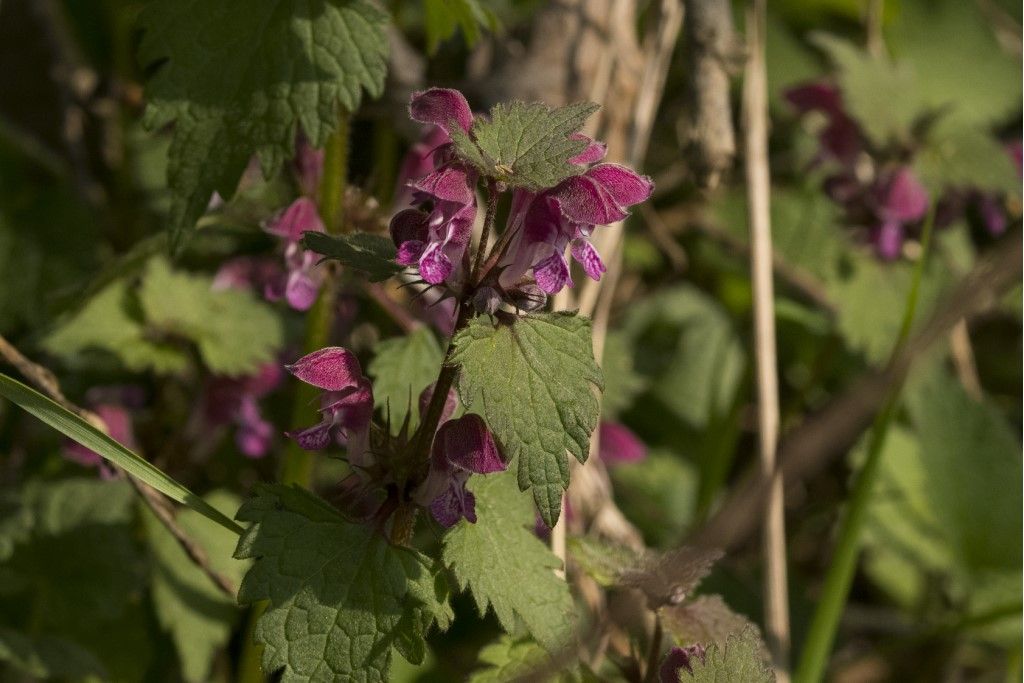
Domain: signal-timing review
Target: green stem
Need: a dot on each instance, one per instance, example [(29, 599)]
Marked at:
[(818, 646)]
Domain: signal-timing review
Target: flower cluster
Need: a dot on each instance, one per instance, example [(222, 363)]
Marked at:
[(235, 401), (541, 225), (880, 196), (460, 447)]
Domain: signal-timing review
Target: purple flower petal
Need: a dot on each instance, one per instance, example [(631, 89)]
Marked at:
[(315, 438), (300, 216), (592, 153), (624, 185), (817, 96), (888, 240), (584, 200), (993, 215), (552, 273), (678, 660), (301, 290), (441, 107), (620, 445), (254, 434), (409, 224), (332, 368), (351, 408), (468, 445), (308, 165), (454, 503), (586, 255), (449, 183), (906, 199), (435, 266)]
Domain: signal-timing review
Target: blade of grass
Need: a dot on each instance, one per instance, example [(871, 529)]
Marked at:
[(815, 656), (77, 429)]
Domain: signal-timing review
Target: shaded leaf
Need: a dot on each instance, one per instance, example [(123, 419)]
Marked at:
[(198, 616), (505, 566), (46, 657), (707, 621), (533, 381), (240, 80), (340, 596), (401, 369), (373, 255)]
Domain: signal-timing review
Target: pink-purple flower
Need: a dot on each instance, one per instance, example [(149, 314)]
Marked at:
[(619, 445), (460, 447), (543, 224), (435, 233), (302, 281), (346, 404), (236, 401), (677, 660)]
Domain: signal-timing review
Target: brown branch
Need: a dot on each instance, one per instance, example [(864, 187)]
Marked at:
[(710, 50), (809, 448), (46, 382)]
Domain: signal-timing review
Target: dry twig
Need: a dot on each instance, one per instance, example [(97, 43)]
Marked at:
[(758, 175)]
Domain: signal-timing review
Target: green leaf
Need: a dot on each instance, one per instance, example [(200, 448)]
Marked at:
[(522, 659), (972, 467), (241, 79), (622, 383), (443, 17), (602, 561), (340, 596), (371, 254), (198, 616), (533, 381), (235, 333), (47, 657), (956, 155), (111, 322), (77, 429), (504, 565), (80, 557), (401, 369), (526, 145), (958, 62), (740, 660), (879, 94), (686, 343), (15, 522)]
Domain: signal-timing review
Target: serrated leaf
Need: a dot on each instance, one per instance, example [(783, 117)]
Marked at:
[(601, 560), (111, 322), (241, 79), (533, 381), (47, 657), (522, 659), (235, 333), (401, 369), (198, 616), (340, 596), (526, 145), (505, 566), (740, 660), (365, 252), (443, 17), (706, 621), (879, 94), (80, 431), (956, 155)]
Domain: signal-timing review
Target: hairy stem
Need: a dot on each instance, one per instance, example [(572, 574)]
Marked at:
[(298, 464), (836, 589), (485, 233)]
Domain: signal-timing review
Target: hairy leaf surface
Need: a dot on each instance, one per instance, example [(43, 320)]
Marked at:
[(533, 381), (505, 566), (241, 78)]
